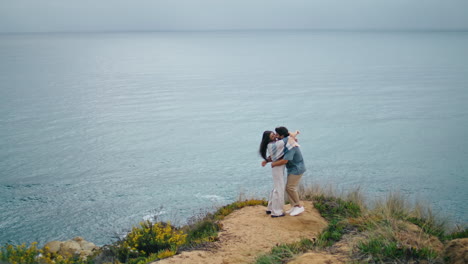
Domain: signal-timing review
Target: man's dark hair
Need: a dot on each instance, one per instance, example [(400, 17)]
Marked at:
[(282, 131)]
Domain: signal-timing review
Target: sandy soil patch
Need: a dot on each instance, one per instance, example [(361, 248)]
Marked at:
[(249, 232), (317, 258), (336, 254)]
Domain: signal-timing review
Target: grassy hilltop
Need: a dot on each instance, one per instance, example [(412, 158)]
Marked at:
[(383, 231)]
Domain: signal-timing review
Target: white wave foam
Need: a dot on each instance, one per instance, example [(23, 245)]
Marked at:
[(211, 197), (153, 217)]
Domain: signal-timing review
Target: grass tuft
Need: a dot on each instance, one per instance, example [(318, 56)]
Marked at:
[(389, 236), (333, 233), (227, 209), (429, 227), (336, 208), (384, 250), (459, 233), (338, 212), (285, 252)]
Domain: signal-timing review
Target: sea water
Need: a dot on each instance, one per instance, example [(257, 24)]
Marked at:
[(99, 131)]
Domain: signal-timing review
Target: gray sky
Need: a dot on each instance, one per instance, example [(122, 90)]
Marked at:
[(144, 15)]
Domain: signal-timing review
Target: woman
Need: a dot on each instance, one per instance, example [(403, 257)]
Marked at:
[(275, 149)]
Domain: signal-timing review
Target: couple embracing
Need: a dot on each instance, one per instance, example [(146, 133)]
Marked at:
[(282, 150)]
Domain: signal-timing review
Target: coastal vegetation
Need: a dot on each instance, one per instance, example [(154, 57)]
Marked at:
[(147, 242), (23, 254), (388, 230)]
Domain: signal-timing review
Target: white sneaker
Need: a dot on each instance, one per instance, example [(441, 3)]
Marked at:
[(297, 211), (290, 210)]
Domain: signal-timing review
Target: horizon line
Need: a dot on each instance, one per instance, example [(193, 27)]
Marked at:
[(243, 30)]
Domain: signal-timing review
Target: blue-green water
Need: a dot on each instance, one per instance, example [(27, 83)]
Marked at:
[(99, 131)]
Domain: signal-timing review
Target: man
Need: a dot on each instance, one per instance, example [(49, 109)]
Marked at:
[(295, 167)]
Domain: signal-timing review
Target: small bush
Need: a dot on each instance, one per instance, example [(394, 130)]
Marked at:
[(19, 254), (22, 254), (150, 238), (205, 230)]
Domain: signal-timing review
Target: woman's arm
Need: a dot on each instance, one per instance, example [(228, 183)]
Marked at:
[(264, 162)]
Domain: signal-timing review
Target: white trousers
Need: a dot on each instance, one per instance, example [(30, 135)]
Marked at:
[(276, 199)]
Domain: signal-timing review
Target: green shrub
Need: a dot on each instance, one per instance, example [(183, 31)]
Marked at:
[(333, 233), (19, 254), (150, 238), (331, 207), (22, 254), (335, 210), (206, 230)]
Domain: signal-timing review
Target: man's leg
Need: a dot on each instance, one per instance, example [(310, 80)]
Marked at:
[(291, 189)]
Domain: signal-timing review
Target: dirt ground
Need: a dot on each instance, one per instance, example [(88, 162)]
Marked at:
[(249, 232)]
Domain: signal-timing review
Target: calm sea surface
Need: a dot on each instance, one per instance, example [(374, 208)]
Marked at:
[(101, 131)]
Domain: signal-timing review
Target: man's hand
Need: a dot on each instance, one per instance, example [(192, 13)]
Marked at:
[(264, 163), (279, 163)]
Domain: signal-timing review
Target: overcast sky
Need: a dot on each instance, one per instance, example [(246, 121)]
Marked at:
[(154, 15)]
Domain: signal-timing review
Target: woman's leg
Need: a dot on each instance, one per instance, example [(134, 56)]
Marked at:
[(270, 198), (277, 195)]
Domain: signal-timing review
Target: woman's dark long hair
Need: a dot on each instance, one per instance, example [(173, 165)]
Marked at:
[(263, 145)]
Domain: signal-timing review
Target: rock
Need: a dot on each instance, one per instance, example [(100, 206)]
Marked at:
[(87, 246), (457, 251), (78, 239), (70, 248), (76, 247), (86, 253), (53, 246)]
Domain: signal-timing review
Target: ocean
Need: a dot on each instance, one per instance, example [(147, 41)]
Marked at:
[(99, 131)]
